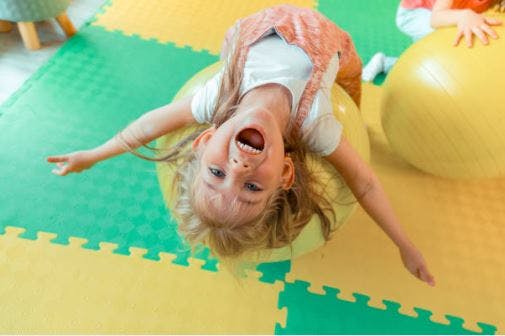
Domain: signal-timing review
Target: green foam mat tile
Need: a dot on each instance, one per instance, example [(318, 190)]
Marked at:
[(95, 85), (327, 314), (273, 271)]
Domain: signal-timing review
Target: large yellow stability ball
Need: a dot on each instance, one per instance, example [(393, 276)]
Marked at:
[(443, 107), (330, 184)]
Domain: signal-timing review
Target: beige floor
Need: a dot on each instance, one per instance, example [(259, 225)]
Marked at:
[(17, 64)]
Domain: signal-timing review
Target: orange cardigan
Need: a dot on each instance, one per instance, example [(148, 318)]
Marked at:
[(320, 38)]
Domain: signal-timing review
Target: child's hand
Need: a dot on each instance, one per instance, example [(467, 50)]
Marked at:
[(73, 162), (414, 262), (471, 23)]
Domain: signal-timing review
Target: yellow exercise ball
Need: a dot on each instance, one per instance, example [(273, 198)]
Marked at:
[(443, 107), (311, 236)]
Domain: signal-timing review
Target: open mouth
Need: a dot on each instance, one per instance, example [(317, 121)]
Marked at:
[(250, 141)]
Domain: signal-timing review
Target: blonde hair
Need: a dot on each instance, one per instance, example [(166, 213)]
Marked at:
[(286, 212)]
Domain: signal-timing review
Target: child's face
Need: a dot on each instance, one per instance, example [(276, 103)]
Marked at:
[(243, 162)]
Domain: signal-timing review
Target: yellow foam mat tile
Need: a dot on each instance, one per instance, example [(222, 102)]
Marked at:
[(50, 288), (199, 24), (458, 225)]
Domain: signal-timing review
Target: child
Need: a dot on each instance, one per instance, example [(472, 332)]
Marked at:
[(418, 18), (244, 184)]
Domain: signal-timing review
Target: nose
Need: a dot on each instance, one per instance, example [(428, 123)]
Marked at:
[(239, 166)]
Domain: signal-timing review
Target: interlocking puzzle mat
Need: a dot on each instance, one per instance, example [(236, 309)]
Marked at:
[(459, 226), (199, 24), (133, 57), (102, 292), (95, 85)]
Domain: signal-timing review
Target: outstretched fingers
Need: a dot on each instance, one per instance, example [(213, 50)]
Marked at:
[(467, 35), (62, 164), (425, 275), (482, 32), (57, 158), (61, 171), (458, 38), (480, 35), (493, 21), (489, 31), (468, 38)]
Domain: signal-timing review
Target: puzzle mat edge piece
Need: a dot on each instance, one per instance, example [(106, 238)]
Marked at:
[(39, 261)]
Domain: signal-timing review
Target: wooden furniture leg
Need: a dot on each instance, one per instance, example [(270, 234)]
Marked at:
[(29, 35), (66, 24), (5, 26)]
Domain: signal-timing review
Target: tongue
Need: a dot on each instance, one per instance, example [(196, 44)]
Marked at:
[(252, 138)]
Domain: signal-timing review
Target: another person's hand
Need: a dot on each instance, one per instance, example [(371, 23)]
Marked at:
[(72, 162), (415, 263), (471, 24)]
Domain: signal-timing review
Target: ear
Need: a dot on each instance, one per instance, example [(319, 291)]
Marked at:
[(288, 173), (203, 138)]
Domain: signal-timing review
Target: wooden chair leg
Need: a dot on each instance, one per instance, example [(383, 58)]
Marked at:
[(66, 24), (29, 35), (5, 26)]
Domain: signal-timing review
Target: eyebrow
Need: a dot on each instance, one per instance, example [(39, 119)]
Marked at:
[(242, 200)]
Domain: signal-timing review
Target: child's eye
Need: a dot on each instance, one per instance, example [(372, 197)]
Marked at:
[(216, 172), (252, 187)]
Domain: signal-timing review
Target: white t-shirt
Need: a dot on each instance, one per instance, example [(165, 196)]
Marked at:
[(272, 60)]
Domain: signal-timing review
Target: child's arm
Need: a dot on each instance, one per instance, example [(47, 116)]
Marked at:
[(369, 193), (468, 22), (142, 131)]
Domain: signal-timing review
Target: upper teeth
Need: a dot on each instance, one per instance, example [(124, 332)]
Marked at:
[(248, 148)]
